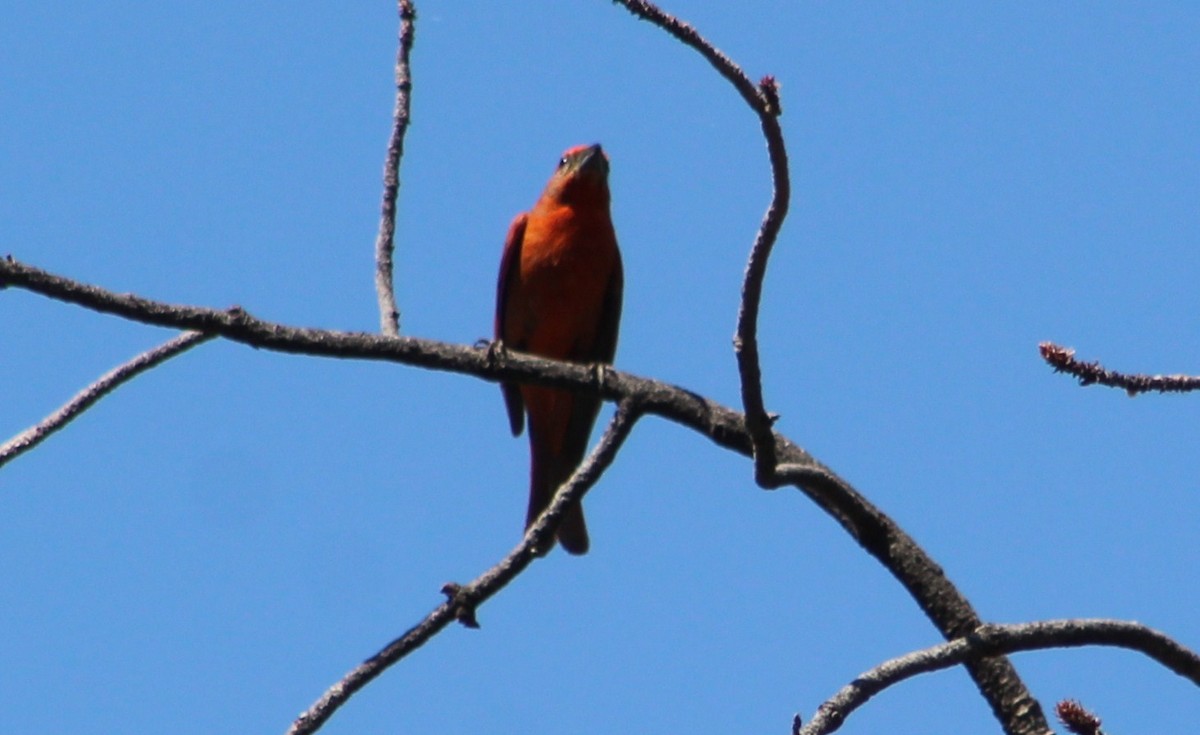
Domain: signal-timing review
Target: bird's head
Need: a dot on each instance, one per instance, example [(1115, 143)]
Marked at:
[(582, 175)]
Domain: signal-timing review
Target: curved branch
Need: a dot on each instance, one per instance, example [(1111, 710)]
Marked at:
[(763, 99), (997, 680), (1062, 359), (86, 398), (990, 640), (871, 528), (689, 36), (463, 600), (385, 292), (745, 339)]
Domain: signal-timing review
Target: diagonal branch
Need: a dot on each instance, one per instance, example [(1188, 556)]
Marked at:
[(1062, 359), (871, 528), (953, 615), (687, 34), (990, 640), (87, 397), (464, 600), (389, 314)]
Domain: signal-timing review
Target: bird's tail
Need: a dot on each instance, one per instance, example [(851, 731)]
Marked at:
[(545, 479), (572, 534)]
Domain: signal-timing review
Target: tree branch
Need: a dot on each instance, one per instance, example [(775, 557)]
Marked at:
[(870, 527), (1011, 702), (464, 600), (87, 397), (745, 339), (389, 314), (763, 99), (689, 36), (1062, 359), (953, 615), (719, 423), (991, 640)]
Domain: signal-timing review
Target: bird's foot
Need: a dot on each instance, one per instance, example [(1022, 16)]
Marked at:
[(496, 350), (600, 374)]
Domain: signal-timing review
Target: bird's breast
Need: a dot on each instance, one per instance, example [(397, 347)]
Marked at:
[(567, 261)]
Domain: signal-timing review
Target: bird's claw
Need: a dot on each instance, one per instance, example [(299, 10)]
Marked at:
[(496, 350), (600, 373)]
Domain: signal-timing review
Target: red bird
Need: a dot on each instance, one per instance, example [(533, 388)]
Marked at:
[(559, 296)]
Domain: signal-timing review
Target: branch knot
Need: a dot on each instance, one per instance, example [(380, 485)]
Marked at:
[(462, 602), (768, 93)]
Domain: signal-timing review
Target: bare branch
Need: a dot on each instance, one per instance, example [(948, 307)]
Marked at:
[(389, 314), (87, 397), (866, 524), (463, 601), (1062, 359), (689, 36), (746, 338), (955, 617), (990, 640), (763, 99), (999, 683)]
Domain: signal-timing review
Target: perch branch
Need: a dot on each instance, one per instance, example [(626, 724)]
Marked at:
[(937, 596)]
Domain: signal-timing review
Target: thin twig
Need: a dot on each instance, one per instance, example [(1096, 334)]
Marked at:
[(688, 35), (464, 600), (86, 398), (1062, 359), (385, 242), (871, 528), (990, 640)]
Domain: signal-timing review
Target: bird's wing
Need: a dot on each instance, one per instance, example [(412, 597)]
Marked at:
[(602, 350), (510, 265), (610, 317)]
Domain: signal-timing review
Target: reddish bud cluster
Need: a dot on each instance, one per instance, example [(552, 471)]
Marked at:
[(1077, 719)]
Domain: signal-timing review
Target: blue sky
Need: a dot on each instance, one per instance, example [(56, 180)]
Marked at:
[(212, 546)]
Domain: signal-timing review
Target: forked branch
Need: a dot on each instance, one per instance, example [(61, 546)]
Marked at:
[(1011, 702), (866, 524), (777, 460), (990, 640)]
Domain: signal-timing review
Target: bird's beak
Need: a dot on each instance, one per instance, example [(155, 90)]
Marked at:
[(594, 161)]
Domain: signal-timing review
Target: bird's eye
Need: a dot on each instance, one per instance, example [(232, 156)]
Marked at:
[(562, 162)]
